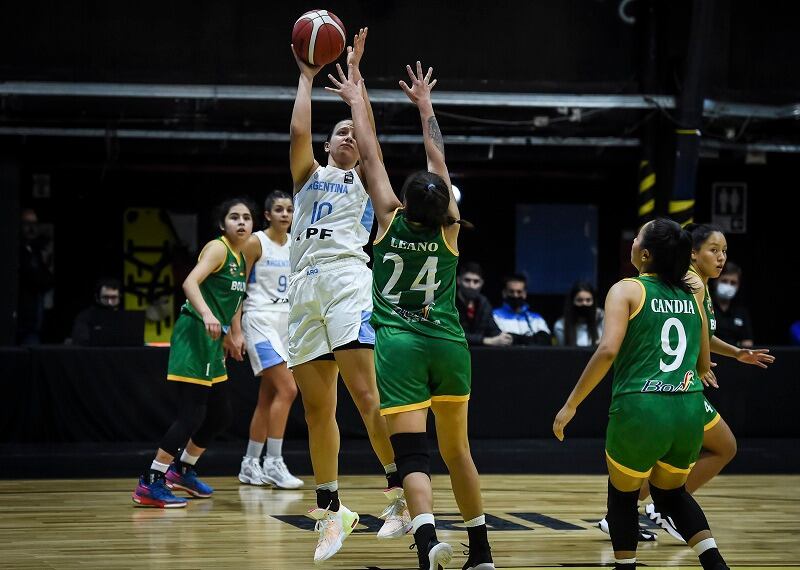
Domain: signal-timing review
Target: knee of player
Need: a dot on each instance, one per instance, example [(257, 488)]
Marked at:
[(411, 453), (454, 452), (730, 449), (192, 415), (366, 401), (287, 392)]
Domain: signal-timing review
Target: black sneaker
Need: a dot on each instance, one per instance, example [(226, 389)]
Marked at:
[(478, 558)]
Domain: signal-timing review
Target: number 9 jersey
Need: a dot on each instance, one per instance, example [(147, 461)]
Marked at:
[(660, 350)]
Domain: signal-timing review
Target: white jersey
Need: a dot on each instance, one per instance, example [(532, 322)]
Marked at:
[(332, 218), (268, 283)]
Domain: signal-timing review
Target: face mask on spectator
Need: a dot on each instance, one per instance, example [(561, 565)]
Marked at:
[(584, 311), (726, 291), (514, 302), (469, 293)]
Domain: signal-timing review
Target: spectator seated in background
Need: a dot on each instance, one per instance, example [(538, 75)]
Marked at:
[(582, 323), (733, 318), (103, 324), (515, 317), (475, 311)]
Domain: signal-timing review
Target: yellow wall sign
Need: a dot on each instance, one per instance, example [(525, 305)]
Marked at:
[(148, 247)]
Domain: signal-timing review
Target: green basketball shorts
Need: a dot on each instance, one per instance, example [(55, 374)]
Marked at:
[(649, 429), (413, 370), (194, 356), (711, 416)]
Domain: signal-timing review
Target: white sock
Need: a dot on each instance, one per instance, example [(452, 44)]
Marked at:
[(477, 521), (274, 447), (254, 448), (157, 466), (329, 486), (190, 459), (390, 468), (625, 560), (419, 520), (704, 545)]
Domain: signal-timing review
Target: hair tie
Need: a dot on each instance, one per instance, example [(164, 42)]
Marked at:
[(431, 187)]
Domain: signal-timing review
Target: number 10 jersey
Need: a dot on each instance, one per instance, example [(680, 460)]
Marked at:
[(333, 217)]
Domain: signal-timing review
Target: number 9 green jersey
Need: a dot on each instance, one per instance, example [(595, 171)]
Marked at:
[(660, 350), (414, 281)]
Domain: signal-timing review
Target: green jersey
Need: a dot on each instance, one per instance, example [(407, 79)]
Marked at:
[(659, 353), (414, 281), (224, 289), (708, 307)]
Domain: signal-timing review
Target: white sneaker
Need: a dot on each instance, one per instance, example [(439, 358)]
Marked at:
[(276, 473), (333, 528), (439, 556), (250, 472), (645, 535), (664, 522), (397, 519)]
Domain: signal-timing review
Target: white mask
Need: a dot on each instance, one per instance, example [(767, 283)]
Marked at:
[(726, 291)]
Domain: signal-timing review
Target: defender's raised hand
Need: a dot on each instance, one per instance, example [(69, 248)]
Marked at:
[(356, 51), (346, 87), (421, 86)]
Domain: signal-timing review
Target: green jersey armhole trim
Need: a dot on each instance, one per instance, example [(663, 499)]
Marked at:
[(386, 231), (239, 258), (446, 243), (222, 263), (641, 302)]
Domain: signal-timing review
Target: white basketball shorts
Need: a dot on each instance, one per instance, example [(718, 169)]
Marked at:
[(329, 306), (266, 334)]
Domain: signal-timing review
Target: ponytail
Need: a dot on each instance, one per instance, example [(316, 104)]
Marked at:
[(427, 199), (670, 248)]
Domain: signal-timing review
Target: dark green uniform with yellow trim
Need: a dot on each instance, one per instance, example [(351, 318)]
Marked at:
[(194, 356), (656, 413), (421, 353), (711, 417)]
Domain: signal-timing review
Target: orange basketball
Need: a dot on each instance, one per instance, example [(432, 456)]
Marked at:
[(318, 37)]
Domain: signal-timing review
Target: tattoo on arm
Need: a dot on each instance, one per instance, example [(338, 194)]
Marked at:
[(435, 134)]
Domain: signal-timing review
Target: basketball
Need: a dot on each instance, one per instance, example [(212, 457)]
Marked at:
[(318, 37)]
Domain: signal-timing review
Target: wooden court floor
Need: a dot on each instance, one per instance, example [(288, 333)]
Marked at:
[(539, 521)]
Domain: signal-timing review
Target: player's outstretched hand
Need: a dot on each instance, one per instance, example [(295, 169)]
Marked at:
[(563, 417), (356, 51), (421, 86), (346, 87), (757, 356)]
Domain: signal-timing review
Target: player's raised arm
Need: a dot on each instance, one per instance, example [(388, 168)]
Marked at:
[(380, 189), (420, 94), (301, 152), (354, 55)]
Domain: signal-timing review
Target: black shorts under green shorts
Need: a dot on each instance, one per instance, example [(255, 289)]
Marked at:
[(194, 356), (413, 370), (649, 429), (711, 416)]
